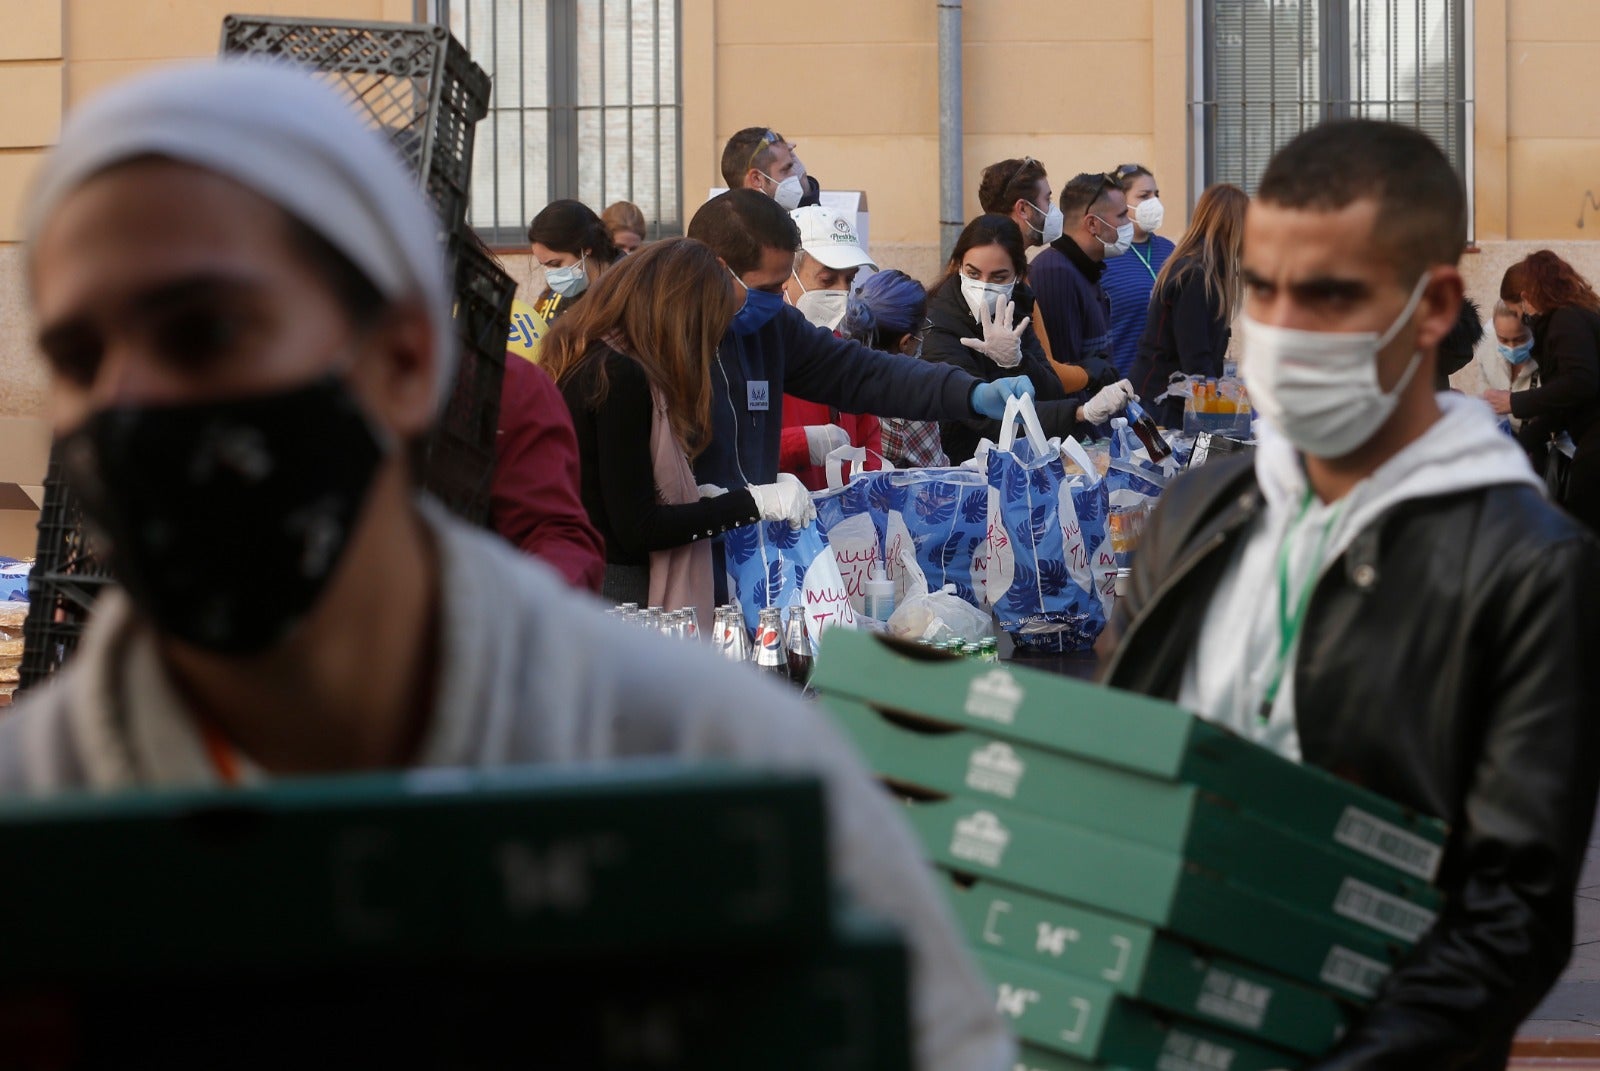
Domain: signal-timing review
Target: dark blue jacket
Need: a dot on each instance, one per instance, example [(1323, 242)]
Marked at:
[(791, 356)]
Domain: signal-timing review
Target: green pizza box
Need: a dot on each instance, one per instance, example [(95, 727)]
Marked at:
[(502, 865), (1179, 818), (840, 1004), (1139, 961), (1060, 861), (1133, 732), (1089, 1021)]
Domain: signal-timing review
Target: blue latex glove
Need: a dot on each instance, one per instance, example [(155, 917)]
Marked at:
[(989, 399)]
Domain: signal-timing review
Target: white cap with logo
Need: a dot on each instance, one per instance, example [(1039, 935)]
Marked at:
[(830, 238)]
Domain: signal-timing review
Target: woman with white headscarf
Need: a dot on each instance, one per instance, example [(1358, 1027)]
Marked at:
[(245, 317)]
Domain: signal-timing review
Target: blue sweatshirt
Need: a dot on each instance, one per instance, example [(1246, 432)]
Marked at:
[(1076, 314), (750, 374), (1128, 282)]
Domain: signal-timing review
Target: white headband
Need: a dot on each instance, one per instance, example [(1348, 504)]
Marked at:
[(288, 137)]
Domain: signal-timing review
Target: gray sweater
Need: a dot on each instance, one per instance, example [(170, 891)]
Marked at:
[(531, 673)]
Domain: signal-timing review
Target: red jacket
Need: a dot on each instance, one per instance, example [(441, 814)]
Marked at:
[(533, 499), (794, 455)]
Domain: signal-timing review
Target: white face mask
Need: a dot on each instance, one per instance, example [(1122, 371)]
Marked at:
[(1150, 214), (980, 294), (1054, 224), (1123, 242), (825, 308), (1320, 388), (790, 190)]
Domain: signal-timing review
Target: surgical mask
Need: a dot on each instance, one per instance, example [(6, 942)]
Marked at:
[(1123, 242), (759, 307), (570, 281), (1320, 388), (1516, 354), (980, 294), (226, 520), (825, 308), (1150, 214), (790, 190), (1054, 223)]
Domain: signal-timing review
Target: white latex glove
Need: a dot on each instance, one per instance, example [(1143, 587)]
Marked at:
[(824, 439), (1001, 343), (711, 490), (1109, 402), (786, 500)]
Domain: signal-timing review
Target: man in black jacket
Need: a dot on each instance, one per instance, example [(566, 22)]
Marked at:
[(1383, 591)]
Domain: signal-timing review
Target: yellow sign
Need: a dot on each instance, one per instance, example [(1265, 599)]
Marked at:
[(527, 328)]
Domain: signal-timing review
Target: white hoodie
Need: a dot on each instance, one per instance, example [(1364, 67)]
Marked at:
[(1229, 673)]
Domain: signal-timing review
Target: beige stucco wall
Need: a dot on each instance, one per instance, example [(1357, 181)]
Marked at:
[(1079, 84)]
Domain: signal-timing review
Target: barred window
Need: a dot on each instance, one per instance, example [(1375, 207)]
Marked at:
[(1271, 68), (586, 104)]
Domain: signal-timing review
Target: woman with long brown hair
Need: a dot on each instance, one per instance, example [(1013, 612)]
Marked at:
[(1194, 301), (1564, 312), (633, 362)]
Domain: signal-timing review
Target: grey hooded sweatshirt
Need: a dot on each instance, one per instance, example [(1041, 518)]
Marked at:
[(533, 673)]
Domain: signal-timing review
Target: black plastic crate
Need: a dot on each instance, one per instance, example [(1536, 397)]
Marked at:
[(66, 579), (458, 459), (416, 82)]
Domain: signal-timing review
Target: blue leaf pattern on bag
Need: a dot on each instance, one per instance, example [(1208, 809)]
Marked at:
[(740, 544), (781, 536), (1023, 596), (1040, 522), (975, 505), (1053, 577), (1040, 479), (934, 507)]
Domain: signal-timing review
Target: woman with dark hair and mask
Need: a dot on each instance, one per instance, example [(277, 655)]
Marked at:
[(1563, 310), (980, 320), (1129, 281), (574, 247)]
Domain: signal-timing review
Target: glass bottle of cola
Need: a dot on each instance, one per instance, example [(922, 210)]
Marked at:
[(770, 654), (798, 643)]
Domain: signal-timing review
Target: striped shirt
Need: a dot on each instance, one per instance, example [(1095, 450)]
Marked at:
[(1128, 282)]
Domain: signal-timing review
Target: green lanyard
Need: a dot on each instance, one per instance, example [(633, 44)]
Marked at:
[(1289, 624), (1146, 261)]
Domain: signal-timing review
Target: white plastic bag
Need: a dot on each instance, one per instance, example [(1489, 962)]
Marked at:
[(939, 615)]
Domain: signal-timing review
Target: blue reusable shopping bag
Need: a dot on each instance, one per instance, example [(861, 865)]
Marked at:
[(772, 564), (1045, 532), (921, 528)]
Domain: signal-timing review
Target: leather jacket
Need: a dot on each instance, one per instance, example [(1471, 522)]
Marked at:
[(1450, 661)]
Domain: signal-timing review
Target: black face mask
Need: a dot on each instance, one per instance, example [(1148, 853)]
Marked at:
[(225, 520)]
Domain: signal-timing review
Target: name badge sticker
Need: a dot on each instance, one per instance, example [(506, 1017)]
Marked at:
[(757, 399)]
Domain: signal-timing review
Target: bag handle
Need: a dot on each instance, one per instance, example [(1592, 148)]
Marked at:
[(1021, 407), (1071, 447), (856, 455)]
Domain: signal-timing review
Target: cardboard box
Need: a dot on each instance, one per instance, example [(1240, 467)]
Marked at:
[(852, 204), (1133, 732), (390, 869), (1056, 860), (1082, 1019), (1200, 826), (841, 1004), (24, 459), (1138, 961)]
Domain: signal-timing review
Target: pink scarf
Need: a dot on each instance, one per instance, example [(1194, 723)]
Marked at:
[(679, 577)]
